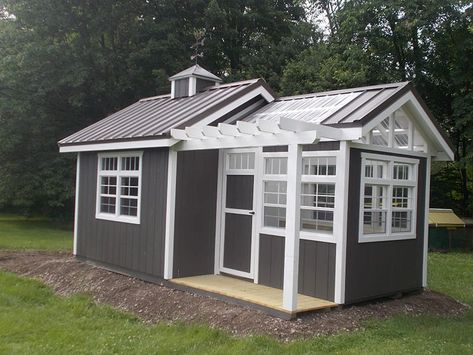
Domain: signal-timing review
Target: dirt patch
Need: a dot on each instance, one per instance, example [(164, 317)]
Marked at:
[(153, 302)]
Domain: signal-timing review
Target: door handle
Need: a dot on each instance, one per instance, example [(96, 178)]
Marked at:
[(252, 212)]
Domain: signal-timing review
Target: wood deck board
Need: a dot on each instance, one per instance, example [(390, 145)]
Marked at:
[(250, 292)]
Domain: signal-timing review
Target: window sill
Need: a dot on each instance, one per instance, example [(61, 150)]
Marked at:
[(317, 237), (279, 232), (120, 219), (385, 238)]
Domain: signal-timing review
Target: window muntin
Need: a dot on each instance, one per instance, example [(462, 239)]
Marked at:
[(118, 196), (275, 166), (241, 161), (317, 204), (319, 166), (388, 188), (274, 191)]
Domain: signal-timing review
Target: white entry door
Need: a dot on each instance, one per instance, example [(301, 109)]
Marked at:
[(237, 245)]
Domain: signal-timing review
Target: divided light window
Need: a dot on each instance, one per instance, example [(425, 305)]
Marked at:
[(119, 187), (274, 191), (318, 193), (388, 198)]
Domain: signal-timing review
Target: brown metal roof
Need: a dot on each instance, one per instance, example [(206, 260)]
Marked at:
[(340, 108), (156, 116)]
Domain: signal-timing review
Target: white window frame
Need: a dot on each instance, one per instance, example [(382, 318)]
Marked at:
[(322, 179), (389, 182), (281, 232), (119, 173)]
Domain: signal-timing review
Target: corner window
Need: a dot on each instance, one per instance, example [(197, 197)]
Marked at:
[(119, 187), (388, 203), (274, 191), (317, 193)]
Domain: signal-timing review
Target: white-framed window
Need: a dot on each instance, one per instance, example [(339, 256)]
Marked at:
[(274, 191), (318, 184), (119, 186), (388, 198)]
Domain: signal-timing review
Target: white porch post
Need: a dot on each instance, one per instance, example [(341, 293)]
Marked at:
[(170, 209), (291, 250)]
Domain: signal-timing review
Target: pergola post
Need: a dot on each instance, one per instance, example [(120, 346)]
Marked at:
[(291, 249)]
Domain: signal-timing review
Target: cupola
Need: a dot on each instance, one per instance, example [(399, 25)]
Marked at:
[(191, 81)]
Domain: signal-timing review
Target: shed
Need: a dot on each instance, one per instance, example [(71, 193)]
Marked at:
[(287, 204), (443, 226)]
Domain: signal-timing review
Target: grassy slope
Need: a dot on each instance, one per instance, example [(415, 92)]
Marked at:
[(33, 319), (20, 233)]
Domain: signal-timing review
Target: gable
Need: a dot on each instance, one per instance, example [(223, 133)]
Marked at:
[(407, 124)]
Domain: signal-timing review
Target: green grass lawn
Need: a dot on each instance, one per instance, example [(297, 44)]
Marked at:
[(34, 320), (22, 233)]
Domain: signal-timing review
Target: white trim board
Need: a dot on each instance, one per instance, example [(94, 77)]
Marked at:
[(426, 223), (76, 206), (91, 147), (341, 217), (170, 211)]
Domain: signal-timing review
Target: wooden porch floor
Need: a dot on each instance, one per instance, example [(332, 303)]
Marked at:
[(267, 297)]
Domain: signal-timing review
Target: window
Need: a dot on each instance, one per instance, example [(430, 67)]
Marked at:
[(241, 161), (118, 192), (317, 193), (274, 191), (388, 190)]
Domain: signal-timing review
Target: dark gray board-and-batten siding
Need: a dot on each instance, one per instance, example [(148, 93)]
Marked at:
[(138, 248), (195, 213), (316, 266), (380, 269)]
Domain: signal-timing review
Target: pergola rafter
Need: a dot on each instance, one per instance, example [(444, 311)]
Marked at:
[(260, 133)]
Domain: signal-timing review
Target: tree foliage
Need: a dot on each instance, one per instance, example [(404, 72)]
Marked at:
[(65, 64)]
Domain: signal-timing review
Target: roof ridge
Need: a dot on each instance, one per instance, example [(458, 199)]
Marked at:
[(234, 83), (164, 96)]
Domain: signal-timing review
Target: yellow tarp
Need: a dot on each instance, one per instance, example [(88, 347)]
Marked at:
[(444, 218)]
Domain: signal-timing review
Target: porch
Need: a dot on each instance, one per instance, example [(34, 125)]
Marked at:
[(268, 298)]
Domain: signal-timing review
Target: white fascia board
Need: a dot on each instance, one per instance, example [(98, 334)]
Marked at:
[(410, 98), (245, 98), (95, 147), (262, 140)]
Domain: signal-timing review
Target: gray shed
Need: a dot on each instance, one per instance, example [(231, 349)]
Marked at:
[(287, 204)]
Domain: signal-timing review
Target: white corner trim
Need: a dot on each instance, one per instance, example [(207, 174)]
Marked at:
[(76, 206), (139, 144), (219, 209), (170, 213), (341, 220), (426, 223)]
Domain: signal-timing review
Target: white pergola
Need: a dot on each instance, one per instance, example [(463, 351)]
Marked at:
[(283, 131)]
